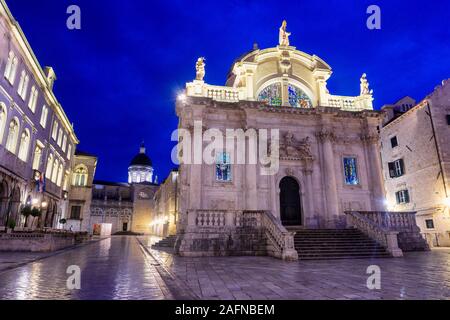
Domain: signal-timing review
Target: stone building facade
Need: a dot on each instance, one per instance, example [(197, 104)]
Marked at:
[(416, 161), (37, 140), (124, 206), (328, 160), (81, 188), (164, 218)]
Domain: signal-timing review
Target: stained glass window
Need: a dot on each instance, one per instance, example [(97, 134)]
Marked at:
[(271, 94), (350, 171), (297, 98), (223, 167)]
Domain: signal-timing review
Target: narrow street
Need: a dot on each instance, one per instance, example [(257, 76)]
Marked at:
[(114, 268)]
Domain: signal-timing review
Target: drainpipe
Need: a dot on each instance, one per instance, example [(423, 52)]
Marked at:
[(437, 150)]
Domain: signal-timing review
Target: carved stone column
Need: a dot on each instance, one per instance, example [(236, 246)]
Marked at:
[(332, 205), (371, 143)]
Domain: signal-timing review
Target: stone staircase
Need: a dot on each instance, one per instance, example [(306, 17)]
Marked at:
[(168, 242), (321, 244)]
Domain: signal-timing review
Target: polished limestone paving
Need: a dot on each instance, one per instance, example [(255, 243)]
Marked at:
[(128, 268), (418, 275)]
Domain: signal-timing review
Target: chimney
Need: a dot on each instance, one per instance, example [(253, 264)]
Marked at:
[(51, 76)]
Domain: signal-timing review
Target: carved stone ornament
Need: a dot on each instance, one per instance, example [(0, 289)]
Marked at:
[(295, 149)]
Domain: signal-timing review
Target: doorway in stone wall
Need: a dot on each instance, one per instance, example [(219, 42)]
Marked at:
[(290, 204)]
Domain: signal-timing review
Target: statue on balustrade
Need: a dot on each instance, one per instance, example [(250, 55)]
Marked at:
[(200, 68)]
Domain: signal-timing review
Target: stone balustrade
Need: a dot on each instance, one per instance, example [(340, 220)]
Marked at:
[(225, 94), (280, 242), (368, 223), (396, 221), (345, 103)]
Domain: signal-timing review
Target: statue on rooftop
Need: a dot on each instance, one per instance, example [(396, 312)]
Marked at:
[(200, 68), (365, 85), (284, 35)]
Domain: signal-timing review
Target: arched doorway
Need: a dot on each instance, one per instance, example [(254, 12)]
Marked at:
[(290, 206)]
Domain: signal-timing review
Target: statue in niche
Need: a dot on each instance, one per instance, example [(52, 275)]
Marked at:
[(200, 68), (365, 85), (284, 35)]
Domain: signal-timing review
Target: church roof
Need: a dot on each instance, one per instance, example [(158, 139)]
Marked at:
[(141, 159)]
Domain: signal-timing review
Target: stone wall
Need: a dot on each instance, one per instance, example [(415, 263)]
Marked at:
[(35, 242), (228, 242)]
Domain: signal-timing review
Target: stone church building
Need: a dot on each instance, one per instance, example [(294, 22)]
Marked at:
[(329, 154), (116, 206)]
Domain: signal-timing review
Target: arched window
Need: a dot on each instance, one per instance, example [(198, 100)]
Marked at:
[(60, 174), (13, 135), (24, 145), (44, 116), (48, 171), (55, 130), (20, 88), (80, 176), (298, 98), (64, 143), (11, 67), (271, 94), (37, 157), (3, 117), (55, 171), (9, 64), (33, 99)]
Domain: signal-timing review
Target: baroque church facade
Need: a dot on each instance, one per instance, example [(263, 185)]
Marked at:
[(329, 152)]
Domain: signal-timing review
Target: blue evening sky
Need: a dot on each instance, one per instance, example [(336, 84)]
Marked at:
[(118, 76)]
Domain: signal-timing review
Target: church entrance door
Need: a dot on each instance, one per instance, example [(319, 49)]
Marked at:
[(290, 208)]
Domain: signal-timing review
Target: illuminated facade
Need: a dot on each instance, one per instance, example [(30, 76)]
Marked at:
[(37, 140), (416, 161), (329, 153), (141, 168)]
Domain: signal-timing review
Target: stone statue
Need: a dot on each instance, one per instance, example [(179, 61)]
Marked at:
[(289, 138), (365, 85), (200, 68), (284, 35)]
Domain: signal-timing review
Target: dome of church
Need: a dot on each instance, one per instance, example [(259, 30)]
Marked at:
[(141, 168), (141, 159)]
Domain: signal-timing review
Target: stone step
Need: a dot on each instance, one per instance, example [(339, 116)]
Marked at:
[(340, 247), (333, 250), (336, 244), (340, 253), (344, 257)]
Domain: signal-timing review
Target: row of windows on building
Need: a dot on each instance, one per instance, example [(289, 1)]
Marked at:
[(10, 74), (224, 172)]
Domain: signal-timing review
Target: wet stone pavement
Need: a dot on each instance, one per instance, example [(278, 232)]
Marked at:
[(120, 268), (113, 268)]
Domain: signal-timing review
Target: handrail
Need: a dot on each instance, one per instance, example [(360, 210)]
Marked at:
[(383, 235), (281, 241)]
